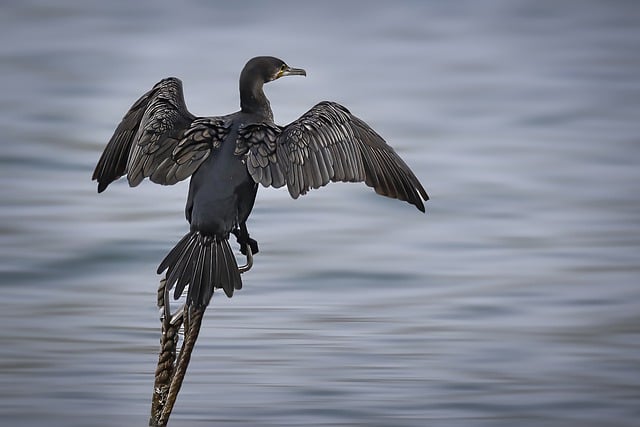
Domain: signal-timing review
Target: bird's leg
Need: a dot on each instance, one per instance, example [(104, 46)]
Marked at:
[(242, 236), (248, 246)]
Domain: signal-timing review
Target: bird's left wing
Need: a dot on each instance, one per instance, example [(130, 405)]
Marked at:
[(159, 139), (326, 144)]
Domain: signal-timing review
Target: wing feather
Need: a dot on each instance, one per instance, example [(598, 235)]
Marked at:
[(159, 139), (326, 144)]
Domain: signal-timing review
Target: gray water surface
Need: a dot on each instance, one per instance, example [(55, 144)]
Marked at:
[(514, 302)]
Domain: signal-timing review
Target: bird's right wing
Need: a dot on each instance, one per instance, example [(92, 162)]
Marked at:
[(159, 139), (325, 144)]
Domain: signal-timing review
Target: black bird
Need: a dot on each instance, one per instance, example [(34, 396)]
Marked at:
[(228, 156)]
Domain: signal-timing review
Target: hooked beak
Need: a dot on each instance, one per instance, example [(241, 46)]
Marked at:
[(291, 72)]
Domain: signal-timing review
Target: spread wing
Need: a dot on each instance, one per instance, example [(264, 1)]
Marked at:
[(159, 139), (326, 144)]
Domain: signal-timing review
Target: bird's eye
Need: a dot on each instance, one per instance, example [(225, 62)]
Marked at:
[(283, 67)]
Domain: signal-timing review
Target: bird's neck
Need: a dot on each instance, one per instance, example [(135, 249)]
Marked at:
[(253, 99)]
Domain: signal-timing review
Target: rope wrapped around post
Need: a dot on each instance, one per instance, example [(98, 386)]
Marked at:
[(172, 367), (166, 358)]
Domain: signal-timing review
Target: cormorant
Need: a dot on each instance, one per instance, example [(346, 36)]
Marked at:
[(228, 156)]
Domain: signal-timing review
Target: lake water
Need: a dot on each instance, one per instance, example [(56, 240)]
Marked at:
[(515, 301)]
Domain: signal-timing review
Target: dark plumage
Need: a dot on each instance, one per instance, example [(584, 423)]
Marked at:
[(228, 156)]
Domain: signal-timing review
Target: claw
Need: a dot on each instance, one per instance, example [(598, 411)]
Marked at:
[(249, 264)]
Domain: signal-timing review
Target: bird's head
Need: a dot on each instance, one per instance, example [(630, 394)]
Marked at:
[(268, 68)]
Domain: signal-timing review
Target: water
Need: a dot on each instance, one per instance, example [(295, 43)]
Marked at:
[(514, 301)]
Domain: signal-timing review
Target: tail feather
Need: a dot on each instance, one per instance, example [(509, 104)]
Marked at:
[(196, 277), (225, 276), (204, 263), (207, 274), (177, 259)]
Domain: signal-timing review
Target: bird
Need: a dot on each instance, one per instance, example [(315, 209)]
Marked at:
[(227, 158)]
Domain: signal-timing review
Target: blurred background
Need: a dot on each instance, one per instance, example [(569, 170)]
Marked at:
[(514, 301)]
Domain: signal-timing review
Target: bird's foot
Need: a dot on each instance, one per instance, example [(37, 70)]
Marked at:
[(253, 245), (248, 246), (245, 241), (249, 264)]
